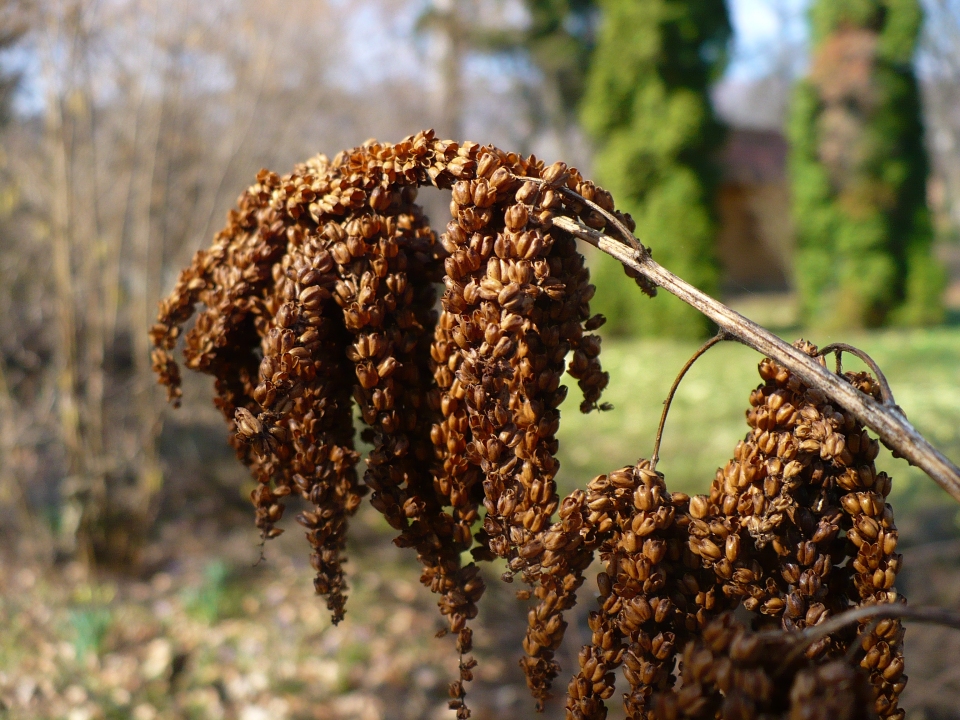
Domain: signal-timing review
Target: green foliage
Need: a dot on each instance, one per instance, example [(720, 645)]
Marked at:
[(858, 171), (206, 602), (559, 41), (647, 106), (897, 22), (90, 625)]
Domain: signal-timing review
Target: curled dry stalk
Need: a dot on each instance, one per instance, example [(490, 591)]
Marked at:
[(718, 338), (839, 348), (887, 421)]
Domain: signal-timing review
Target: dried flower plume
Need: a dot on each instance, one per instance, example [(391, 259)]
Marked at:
[(317, 299)]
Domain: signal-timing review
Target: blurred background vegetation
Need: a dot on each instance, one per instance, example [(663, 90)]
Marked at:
[(799, 159)]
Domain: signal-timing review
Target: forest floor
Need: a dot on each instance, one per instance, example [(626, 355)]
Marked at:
[(204, 629)]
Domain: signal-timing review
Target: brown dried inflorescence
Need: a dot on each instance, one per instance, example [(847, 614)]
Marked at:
[(654, 593), (319, 297), (795, 529), (733, 673), (516, 304), (801, 515), (321, 286), (265, 336)]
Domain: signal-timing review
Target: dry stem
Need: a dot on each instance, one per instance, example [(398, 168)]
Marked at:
[(839, 348), (719, 337), (888, 422), (928, 615)]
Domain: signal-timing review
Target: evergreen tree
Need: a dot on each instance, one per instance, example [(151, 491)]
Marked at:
[(647, 106), (559, 41), (859, 171)]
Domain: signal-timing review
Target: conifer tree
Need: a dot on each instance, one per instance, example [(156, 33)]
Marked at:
[(559, 40), (647, 107), (859, 171)]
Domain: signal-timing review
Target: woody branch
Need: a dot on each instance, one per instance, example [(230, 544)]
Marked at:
[(888, 421)]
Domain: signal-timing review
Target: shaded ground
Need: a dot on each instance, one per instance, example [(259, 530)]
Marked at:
[(209, 633)]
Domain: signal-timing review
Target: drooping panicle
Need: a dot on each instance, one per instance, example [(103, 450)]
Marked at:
[(732, 672), (806, 508), (319, 299)]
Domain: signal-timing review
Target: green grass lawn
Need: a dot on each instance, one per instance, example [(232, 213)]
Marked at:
[(707, 417)]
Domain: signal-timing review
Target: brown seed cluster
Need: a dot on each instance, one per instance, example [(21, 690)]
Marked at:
[(796, 525), (516, 305), (321, 288), (795, 529), (318, 298), (654, 593), (732, 673)]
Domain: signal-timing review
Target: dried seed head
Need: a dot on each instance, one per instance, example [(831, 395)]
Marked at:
[(318, 294), (720, 678)]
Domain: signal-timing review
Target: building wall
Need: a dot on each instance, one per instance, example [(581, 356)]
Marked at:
[(755, 239)]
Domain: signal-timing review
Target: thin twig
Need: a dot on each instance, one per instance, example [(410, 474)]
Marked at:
[(928, 615), (628, 236), (889, 423), (719, 337), (840, 348)]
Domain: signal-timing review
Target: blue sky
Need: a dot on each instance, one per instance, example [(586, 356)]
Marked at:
[(762, 28)]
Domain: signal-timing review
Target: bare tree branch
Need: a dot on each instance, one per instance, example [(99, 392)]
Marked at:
[(888, 422)]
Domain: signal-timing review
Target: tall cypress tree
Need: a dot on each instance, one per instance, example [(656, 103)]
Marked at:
[(859, 171), (646, 105)]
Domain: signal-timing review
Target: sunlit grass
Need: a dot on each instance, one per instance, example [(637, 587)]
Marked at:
[(707, 418)]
